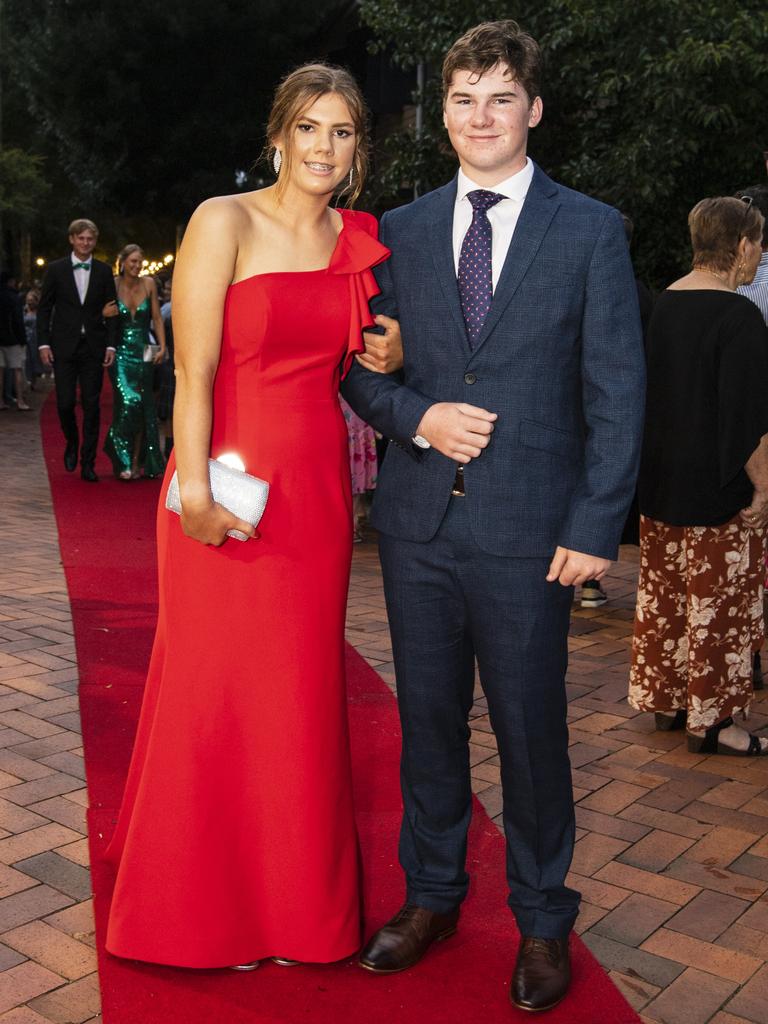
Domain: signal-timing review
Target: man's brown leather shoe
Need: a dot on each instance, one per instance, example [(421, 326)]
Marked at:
[(404, 940), (542, 974)]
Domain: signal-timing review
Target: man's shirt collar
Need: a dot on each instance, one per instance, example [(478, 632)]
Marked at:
[(515, 187)]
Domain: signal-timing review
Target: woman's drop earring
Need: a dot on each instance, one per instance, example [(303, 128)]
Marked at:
[(351, 172), (277, 161)]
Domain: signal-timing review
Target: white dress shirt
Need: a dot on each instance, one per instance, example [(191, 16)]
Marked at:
[(82, 277), (503, 216)]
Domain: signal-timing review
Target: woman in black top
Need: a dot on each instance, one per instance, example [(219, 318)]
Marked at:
[(704, 490)]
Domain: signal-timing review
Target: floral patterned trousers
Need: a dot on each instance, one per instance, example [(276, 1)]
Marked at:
[(699, 619)]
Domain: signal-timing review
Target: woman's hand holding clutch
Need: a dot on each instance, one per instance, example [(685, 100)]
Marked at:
[(209, 523), (230, 502), (383, 352)]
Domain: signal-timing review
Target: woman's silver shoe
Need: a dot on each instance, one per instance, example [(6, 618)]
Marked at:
[(285, 963), (246, 967)]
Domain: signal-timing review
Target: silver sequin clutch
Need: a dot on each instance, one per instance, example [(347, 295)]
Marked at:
[(243, 495)]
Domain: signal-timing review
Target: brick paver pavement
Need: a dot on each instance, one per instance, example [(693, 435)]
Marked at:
[(47, 957), (671, 853)]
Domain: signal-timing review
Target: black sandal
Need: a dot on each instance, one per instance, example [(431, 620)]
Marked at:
[(669, 723), (710, 743), (757, 673)]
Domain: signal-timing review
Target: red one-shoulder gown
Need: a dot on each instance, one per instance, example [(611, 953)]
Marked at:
[(236, 838)]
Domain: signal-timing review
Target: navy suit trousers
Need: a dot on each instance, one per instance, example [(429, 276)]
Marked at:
[(449, 603)]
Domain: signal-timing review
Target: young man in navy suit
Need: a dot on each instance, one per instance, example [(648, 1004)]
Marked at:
[(516, 426)]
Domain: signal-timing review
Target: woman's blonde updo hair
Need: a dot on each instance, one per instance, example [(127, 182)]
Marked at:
[(295, 94), (717, 226), (123, 255)]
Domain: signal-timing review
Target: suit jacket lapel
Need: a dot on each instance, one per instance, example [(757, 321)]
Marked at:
[(69, 274), (535, 217), (441, 245)]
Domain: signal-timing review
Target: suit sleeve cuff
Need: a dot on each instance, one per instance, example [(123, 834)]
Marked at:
[(413, 412)]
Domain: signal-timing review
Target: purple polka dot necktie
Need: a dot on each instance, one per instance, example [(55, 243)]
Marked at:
[(475, 267)]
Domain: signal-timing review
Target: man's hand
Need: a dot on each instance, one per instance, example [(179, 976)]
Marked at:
[(757, 513), (571, 568), (46, 355), (457, 430), (383, 352), (109, 357)]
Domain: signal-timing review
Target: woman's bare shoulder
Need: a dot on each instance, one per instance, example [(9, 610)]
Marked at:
[(237, 214), (219, 210)]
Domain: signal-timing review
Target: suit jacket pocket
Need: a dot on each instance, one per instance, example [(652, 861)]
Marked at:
[(549, 439)]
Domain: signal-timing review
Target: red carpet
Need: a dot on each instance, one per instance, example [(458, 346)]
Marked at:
[(107, 545)]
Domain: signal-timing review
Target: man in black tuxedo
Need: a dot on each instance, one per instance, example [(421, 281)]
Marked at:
[(75, 338)]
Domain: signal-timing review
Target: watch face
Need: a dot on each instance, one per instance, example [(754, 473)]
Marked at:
[(421, 441)]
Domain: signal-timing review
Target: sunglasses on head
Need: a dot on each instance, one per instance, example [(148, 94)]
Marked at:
[(747, 200)]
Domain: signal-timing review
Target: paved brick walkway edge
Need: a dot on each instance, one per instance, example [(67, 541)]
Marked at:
[(47, 957)]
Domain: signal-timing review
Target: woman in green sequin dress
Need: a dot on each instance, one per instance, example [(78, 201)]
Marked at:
[(133, 441)]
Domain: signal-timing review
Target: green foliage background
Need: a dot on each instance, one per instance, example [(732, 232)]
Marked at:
[(141, 110), (22, 185), (649, 106), (132, 113)]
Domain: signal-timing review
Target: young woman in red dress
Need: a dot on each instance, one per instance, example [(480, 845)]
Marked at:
[(236, 840)]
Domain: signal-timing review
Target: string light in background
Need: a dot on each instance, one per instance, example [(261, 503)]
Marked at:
[(148, 266), (155, 266)]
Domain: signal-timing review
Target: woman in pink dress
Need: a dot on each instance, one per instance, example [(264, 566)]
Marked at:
[(363, 465)]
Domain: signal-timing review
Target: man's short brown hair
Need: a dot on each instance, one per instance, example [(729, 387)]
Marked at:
[(485, 46), (717, 226), (82, 225)]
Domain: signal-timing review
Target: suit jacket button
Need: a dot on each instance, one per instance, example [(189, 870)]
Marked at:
[(470, 378)]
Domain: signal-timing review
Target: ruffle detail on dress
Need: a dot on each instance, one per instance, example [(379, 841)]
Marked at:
[(358, 250)]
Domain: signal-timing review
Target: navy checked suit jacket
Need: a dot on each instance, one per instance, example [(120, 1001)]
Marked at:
[(560, 359)]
